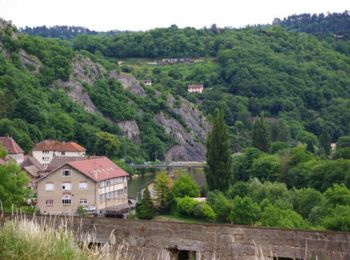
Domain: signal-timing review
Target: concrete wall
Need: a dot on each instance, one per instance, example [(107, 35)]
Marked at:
[(150, 239)]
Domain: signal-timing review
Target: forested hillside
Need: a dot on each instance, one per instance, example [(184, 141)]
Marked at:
[(320, 24), (49, 91), (298, 81)]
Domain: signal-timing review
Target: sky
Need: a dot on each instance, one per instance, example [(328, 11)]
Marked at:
[(104, 15)]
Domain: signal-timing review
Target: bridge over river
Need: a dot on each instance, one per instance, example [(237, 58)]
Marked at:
[(170, 166)]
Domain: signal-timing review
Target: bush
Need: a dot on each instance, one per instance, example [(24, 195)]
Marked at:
[(244, 211), (203, 210), (186, 206), (339, 219), (185, 186)]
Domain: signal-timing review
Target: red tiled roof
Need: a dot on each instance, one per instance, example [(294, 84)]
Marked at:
[(52, 145), (10, 145), (98, 169)]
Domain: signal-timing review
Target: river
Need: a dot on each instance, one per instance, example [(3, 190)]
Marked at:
[(138, 182)]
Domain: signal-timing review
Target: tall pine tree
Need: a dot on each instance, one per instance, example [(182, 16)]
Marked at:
[(219, 160), (261, 135)]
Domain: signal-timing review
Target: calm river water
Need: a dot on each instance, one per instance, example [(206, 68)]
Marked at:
[(137, 183)]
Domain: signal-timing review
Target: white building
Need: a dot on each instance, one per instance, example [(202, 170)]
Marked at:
[(46, 150), (195, 88)]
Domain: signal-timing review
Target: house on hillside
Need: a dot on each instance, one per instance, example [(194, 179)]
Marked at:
[(95, 183), (46, 150), (14, 151), (195, 88), (147, 82)]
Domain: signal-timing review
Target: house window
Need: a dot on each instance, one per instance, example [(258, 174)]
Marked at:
[(49, 202), (83, 186), (63, 153), (49, 186), (66, 173), (83, 201), (66, 200), (66, 186)]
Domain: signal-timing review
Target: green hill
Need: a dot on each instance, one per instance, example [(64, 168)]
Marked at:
[(51, 90)]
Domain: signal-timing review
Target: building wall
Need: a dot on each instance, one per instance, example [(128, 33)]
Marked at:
[(56, 195), (195, 90), (106, 187), (45, 157), (19, 157)]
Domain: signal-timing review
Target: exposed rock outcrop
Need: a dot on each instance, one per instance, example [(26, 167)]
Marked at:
[(128, 82), (192, 117), (30, 62), (84, 70), (187, 149), (131, 130)]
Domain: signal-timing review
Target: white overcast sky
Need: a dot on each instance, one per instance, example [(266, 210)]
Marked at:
[(146, 14)]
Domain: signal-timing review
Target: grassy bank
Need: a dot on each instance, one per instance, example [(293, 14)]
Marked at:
[(27, 239)]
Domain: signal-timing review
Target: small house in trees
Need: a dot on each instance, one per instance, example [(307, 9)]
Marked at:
[(195, 88), (14, 151), (147, 82)]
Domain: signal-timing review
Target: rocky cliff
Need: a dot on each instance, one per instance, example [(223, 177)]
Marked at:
[(189, 135)]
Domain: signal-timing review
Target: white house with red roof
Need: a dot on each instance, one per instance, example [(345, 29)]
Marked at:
[(96, 183), (46, 150), (195, 88), (14, 151)]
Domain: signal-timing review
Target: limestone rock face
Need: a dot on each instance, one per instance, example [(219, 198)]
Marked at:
[(84, 70), (187, 149), (30, 62), (131, 130), (128, 82)]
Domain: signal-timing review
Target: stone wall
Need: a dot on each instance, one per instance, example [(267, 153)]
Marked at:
[(152, 240)]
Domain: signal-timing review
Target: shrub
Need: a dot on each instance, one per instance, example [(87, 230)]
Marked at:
[(145, 209), (244, 211), (185, 186)]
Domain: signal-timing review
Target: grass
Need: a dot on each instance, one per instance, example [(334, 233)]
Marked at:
[(26, 239), (180, 219)]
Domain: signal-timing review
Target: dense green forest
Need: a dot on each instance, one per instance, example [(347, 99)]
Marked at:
[(299, 82), (319, 24), (62, 32)]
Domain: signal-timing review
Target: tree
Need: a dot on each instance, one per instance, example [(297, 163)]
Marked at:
[(106, 144), (3, 152), (339, 219), (244, 211), (145, 209), (261, 135), (185, 186), (13, 186), (325, 140), (219, 170), (165, 197)]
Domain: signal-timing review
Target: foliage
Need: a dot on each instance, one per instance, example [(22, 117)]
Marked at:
[(220, 204), (145, 208), (219, 171), (165, 198), (244, 211), (190, 207), (185, 186), (273, 216), (81, 211), (13, 186), (261, 135), (106, 144), (339, 219)]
